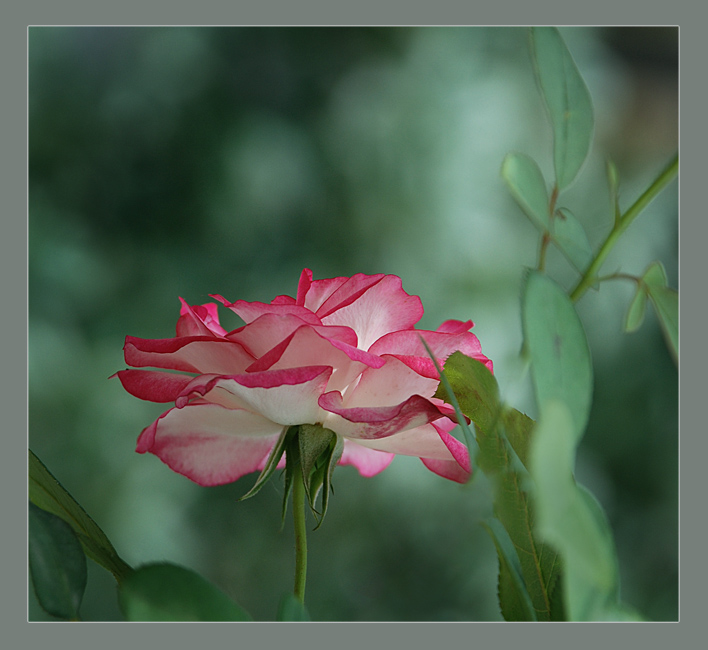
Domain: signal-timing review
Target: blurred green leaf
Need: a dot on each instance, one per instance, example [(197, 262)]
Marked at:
[(291, 609), (526, 184), (48, 494), (561, 367), (613, 182), (57, 564), (568, 101), (637, 309), (167, 592), (503, 439), (666, 304), (572, 520), (571, 239), (513, 596)]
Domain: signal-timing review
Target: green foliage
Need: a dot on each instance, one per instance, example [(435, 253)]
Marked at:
[(57, 564), (561, 367), (292, 609), (503, 439), (569, 235), (48, 494), (572, 520), (568, 102), (653, 284), (167, 592), (526, 184)]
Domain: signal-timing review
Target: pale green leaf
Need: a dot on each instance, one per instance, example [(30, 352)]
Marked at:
[(525, 182), (561, 367), (637, 308), (568, 102), (570, 237)]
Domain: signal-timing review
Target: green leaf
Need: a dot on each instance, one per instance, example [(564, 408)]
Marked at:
[(167, 592), (503, 439), (57, 564), (561, 367), (48, 494), (572, 520), (666, 304), (525, 182), (613, 182), (637, 309), (513, 595), (567, 99), (291, 609), (571, 239)]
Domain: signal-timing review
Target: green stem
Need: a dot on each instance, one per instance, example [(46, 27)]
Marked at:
[(662, 180), (300, 533)]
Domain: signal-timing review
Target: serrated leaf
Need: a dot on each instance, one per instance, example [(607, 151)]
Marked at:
[(570, 237), (503, 439), (572, 520), (48, 494), (637, 309), (526, 184), (57, 564), (167, 592), (291, 609), (567, 99), (513, 595), (561, 367)]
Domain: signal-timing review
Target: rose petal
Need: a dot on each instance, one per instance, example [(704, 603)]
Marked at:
[(407, 346), (199, 320), (249, 311), (188, 353), (287, 397), (209, 444), (449, 469), (365, 423), (312, 294), (368, 462), (372, 306), (153, 385), (455, 326)]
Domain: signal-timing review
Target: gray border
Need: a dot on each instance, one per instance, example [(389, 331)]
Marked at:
[(382, 12)]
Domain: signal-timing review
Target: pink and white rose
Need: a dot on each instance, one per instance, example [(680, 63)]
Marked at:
[(344, 354)]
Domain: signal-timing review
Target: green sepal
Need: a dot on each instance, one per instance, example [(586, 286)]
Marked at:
[(320, 450), (272, 463)]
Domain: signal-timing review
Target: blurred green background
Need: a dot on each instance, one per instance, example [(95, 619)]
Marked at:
[(168, 162)]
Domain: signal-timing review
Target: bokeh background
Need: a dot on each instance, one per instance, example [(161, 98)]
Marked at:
[(168, 162)]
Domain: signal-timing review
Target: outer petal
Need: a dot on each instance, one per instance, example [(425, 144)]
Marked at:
[(373, 423), (286, 397), (199, 320), (188, 353), (312, 294), (153, 385), (369, 462), (210, 444), (249, 311), (455, 326), (372, 306), (407, 346)]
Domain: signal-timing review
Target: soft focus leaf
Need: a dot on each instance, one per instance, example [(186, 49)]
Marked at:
[(568, 101), (503, 439), (560, 357), (526, 184), (571, 239), (613, 182), (291, 609), (514, 597), (48, 494), (666, 304), (571, 519), (57, 563), (167, 592), (637, 309)]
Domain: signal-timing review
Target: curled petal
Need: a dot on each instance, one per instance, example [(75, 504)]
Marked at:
[(373, 423), (455, 326), (249, 311), (459, 468), (209, 444), (287, 397), (153, 385), (187, 353), (199, 320)]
